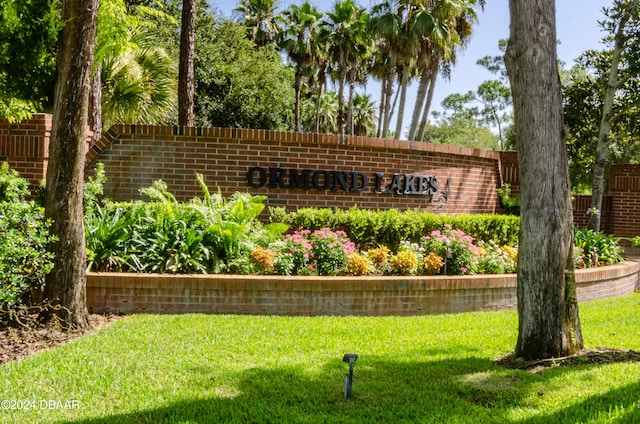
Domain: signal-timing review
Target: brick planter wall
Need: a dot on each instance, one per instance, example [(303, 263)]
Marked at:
[(260, 295)]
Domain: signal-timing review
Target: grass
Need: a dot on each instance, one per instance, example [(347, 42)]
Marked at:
[(223, 368)]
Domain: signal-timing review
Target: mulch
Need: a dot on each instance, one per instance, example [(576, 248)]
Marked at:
[(18, 341)]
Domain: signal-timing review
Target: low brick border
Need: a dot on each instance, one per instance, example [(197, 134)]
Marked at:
[(123, 293)]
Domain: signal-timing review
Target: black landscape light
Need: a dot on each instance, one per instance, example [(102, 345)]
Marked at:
[(351, 359)]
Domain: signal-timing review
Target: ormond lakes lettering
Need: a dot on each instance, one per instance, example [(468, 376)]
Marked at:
[(320, 179)]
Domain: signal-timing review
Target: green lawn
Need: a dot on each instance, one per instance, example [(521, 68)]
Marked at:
[(222, 368)]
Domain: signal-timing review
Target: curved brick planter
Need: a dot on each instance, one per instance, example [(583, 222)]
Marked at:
[(260, 295)]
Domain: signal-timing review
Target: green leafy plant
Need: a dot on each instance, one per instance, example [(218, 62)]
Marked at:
[(107, 240), (370, 228), (24, 259), (13, 188), (598, 248), (510, 204)]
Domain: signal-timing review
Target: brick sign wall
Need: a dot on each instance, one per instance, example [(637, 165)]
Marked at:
[(299, 169)]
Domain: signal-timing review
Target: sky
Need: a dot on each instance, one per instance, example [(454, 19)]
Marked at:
[(576, 25)]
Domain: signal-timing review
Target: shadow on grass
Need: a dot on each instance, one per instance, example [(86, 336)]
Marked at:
[(386, 389)]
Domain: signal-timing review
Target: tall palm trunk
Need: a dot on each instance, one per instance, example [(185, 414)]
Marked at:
[(298, 89), (421, 94), (322, 76), (388, 106), (382, 107), (403, 100), (352, 89), (427, 107), (341, 117)]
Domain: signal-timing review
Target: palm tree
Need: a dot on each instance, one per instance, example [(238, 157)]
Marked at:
[(320, 113), (300, 40), (344, 29), (134, 80), (259, 16), (393, 25), (385, 26), (451, 29), (139, 86), (364, 115)]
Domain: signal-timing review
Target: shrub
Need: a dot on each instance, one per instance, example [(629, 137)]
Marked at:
[(368, 228), (405, 262), (24, 260), (107, 240), (330, 250), (432, 264), (264, 259), (456, 246), (208, 234), (321, 252), (510, 204), (359, 264), (379, 256), (13, 188)]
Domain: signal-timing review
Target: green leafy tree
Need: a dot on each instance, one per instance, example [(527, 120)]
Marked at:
[(229, 90), (137, 79), (451, 30), (623, 27), (28, 46)]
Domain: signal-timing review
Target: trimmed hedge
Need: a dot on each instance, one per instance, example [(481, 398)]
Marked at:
[(369, 228)]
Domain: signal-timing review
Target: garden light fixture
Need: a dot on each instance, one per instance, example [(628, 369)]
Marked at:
[(351, 359)]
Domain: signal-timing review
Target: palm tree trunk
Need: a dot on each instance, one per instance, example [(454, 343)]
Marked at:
[(381, 108), (427, 107), (298, 89), (352, 88), (420, 100), (341, 120), (388, 107), (321, 81), (403, 100)]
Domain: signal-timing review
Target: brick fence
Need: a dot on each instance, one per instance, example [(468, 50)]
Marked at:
[(260, 295)]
